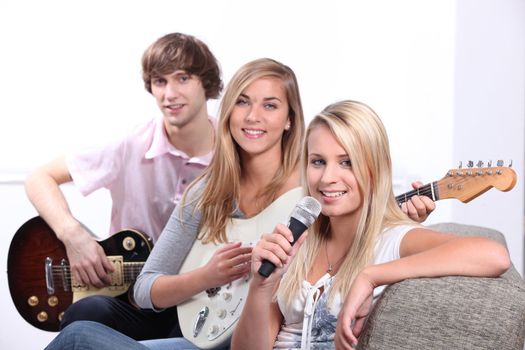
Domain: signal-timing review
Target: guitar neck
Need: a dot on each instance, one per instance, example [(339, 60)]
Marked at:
[(128, 273), (465, 184), (132, 270), (430, 190)]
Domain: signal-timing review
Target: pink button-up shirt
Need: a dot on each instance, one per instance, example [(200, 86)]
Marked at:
[(145, 174)]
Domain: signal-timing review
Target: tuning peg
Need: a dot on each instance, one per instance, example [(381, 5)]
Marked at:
[(460, 164), (499, 162), (479, 164), (470, 164), (489, 163), (510, 164)]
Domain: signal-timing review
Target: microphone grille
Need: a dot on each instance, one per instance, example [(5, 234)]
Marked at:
[(308, 209)]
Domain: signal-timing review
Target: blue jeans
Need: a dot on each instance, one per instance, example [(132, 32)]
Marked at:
[(119, 314), (169, 344), (89, 335)]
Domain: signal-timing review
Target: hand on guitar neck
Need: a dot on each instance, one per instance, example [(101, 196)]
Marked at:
[(88, 262), (464, 184), (418, 208)]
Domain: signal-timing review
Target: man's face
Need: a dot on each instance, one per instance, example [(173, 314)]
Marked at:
[(180, 97)]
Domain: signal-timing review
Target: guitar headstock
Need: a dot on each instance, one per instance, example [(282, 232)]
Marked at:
[(468, 183)]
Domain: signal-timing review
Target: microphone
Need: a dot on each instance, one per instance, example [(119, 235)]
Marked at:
[(303, 215)]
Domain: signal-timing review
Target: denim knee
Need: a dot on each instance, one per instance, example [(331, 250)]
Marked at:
[(93, 308)]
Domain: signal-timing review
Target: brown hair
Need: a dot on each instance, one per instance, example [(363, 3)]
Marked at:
[(177, 51)]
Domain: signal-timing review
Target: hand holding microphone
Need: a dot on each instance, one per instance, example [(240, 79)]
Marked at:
[(302, 216)]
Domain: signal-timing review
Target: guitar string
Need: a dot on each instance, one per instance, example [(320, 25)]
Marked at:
[(131, 271), (68, 274), (125, 273), (426, 191), (59, 280), (414, 192)]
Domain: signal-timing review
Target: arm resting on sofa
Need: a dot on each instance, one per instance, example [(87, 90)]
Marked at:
[(450, 312)]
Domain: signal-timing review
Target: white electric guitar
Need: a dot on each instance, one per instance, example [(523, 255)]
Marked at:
[(208, 319)]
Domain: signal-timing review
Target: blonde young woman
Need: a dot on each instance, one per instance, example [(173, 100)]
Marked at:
[(260, 130), (361, 242)]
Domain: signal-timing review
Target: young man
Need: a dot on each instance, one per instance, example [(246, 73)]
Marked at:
[(146, 173)]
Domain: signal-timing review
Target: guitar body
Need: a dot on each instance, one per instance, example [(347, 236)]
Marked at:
[(39, 276), (208, 318)]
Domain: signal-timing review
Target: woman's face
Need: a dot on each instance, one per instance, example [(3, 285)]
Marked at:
[(259, 118), (329, 174)]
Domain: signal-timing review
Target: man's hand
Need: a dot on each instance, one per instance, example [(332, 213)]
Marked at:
[(89, 265), (88, 262)]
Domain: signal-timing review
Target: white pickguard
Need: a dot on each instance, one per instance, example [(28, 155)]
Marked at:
[(224, 308)]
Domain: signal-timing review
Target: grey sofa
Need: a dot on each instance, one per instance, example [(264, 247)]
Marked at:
[(450, 312)]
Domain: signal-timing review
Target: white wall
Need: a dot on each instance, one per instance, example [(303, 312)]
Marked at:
[(70, 78), (489, 108)]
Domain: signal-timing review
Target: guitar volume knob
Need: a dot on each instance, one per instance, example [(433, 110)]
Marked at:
[(128, 243), (227, 296), (52, 301), (42, 316), (213, 330), (221, 313), (32, 300)]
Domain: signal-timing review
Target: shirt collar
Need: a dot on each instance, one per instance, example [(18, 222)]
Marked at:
[(160, 145)]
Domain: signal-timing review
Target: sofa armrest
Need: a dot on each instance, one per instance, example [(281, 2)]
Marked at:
[(450, 312)]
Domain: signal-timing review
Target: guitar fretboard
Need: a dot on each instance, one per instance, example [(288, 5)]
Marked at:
[(430, 190), (130, 272)]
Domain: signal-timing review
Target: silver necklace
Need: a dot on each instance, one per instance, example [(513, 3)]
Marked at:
[(330, 266)]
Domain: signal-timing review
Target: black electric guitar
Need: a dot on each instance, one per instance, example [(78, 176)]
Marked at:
[(209, 318), (39, 276)]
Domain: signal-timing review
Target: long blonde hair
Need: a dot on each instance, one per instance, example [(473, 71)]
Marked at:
[(361, 133), (222, 190)]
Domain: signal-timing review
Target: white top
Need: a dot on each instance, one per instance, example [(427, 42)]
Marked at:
[(309, 322)]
